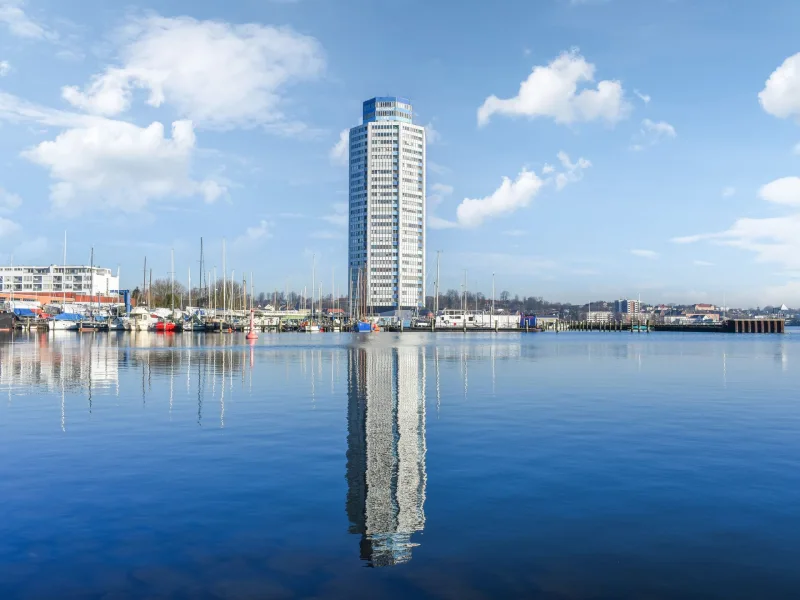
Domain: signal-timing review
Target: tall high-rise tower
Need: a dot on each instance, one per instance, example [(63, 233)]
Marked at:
[(387, 209)]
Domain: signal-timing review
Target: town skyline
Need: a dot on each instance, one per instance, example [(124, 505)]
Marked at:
[(577, 152)]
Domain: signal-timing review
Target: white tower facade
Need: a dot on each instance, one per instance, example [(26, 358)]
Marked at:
[(387, 209)]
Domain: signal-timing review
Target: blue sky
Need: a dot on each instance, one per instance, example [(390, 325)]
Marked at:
[(653, 149)]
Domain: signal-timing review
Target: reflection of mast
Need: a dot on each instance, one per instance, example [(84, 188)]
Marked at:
[(386, 449)]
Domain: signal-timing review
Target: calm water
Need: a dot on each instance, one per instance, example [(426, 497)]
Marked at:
[(564, 466)]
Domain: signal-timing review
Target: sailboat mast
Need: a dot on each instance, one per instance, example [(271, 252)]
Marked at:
[(91, 274), (224, 277), (64, 276), (144, 280), (190, 287), (172, 278), (436, 300), (313, 283)]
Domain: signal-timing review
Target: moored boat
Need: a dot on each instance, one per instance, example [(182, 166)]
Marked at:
[(141, 319)]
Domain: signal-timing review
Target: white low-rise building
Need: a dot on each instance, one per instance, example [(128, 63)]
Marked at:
[(81, 280)]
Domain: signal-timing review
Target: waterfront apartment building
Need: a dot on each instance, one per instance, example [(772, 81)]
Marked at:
[(387, 213), (56, 279), (627, 307)]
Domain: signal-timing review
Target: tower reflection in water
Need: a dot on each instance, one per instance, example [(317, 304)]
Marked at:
[(386, 475)]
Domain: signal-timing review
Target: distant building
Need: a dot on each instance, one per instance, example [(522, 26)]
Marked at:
[(34, 282), (627, 307), (599, 316), (705, 308)]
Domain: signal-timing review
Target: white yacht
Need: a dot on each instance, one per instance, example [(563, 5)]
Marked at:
[(141, 319)]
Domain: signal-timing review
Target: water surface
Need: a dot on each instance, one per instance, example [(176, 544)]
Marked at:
[(557, 466)]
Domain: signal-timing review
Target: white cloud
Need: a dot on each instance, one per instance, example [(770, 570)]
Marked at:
[(9, 202), (772, 240), (652, 133), (432, 136), (438, 192), (216, 74), (509, 197), (729, 191), (782, 191), (261, 231), (552, 91), (702, 263), (339, 216), (649, 254), (118, 166), (340, 151), (515, 233), (5, 68), (781, 94), (572, 171), (643, 97), (20, 24), (8, 227)]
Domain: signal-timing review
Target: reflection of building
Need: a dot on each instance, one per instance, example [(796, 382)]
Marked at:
[(386, 475)]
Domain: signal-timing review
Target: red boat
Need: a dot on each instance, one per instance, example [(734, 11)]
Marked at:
[(166, 326)]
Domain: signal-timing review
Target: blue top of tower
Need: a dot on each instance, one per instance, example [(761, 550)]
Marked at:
[(388, 108)]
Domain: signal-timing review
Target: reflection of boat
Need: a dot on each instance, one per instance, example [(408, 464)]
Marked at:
[(6, 321), (141, 319)]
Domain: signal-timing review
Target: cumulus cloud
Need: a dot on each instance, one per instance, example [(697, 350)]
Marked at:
[(782, 191), (781, 94), (652, 133), (509, 197), (117, 165), (9, 202), (5, 68), (216, 74), (340, 151), (8, 228), (643, 97), (729, 191), (572, 171), (649, 254), (255, 233), (552, 91), (702, 263), (772, 240), (436, 195), (432, 135), (19, 24)]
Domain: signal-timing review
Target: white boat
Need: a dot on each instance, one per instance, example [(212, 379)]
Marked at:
[(310, 328), (117, 324), (141, 319), (63, 325)]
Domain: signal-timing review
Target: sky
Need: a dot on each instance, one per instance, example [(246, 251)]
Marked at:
[(577, 149)]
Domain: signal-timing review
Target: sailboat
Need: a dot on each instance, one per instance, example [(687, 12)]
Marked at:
[(309, 326), (362, 325)]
